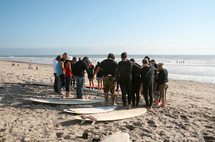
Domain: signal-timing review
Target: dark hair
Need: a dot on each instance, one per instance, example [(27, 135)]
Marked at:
[(98, 63), (58, 57), (152, 60), (65, 53), (124, 55), (86, 60), (111, 55), (74, 58), (145, 61), (132, 59), (62, 59), (147, 57)]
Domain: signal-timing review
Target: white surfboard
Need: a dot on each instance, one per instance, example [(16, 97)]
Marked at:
[(65, 101), (37, 83), (112, 116), (116, 137), (90, 110)]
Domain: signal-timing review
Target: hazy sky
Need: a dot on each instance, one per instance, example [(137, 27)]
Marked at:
[(103, 26)]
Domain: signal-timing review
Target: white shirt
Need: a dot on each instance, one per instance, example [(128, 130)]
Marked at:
[(54, 64)]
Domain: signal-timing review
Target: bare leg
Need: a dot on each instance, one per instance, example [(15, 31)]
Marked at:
[(113, 99), (106, 97)]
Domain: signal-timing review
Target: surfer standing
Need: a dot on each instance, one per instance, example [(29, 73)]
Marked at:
[(108, 67)]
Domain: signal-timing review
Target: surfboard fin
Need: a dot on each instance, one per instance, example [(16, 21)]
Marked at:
[(82, 122), (93, 122)]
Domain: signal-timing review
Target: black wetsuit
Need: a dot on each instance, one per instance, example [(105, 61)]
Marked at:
[(147, 80), (124, 77), (136, 84)]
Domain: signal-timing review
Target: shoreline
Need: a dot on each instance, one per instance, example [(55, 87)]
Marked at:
[(40, 64)]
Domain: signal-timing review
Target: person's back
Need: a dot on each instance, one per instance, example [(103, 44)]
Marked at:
[(108, 67), (125, 69), (58, 68), (147, 74), (80, 67), (162, 76)]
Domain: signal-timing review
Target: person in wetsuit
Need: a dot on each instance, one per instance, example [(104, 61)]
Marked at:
[(146, 74), (135, 83), (124, 77)]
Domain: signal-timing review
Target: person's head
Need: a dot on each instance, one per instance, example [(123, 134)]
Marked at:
[(79, 59), (63, 59), (153, 61), (58, 58), (132, 59), (74, 59), (69, 59), (65, 55), (145, 61), (160, 66), (147, 57), (98, 63), (86, 60), (111, 56), (124, 55)]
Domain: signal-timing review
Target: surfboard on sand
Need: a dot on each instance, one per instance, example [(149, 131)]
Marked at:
[(65, 101), (37, 83), (111, 116), (116, 137), (90, 110), (95, 91)]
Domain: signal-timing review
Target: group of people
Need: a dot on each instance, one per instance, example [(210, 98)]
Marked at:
[(149, 79)]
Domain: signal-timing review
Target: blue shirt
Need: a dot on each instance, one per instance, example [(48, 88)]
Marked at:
[(58, 67)]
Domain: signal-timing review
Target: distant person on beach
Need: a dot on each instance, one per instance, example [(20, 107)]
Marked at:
[(108, 66), (147, 73), (68, 75), (79, 59), (54, 65), (135, 87), (162, 83), (124, 77), (60, 74), (99, 76), (91, 68), (65, 55), (74, 60), (80, 68), (37, 68)]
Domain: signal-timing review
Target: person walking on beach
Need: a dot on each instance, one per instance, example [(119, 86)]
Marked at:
[(68, 75), (74, 60), (60, 74), (99, 76), (135, 83), (54, 64), (108, 66), (147, 73), (124, 77), (162, 83), (80, 68)]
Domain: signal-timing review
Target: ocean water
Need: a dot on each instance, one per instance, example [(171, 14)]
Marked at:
[(198, 68)]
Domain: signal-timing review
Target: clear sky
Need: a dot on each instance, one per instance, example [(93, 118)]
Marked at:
[(103, 26)]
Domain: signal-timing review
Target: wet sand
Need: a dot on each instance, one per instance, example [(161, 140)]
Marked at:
[(189, 116)]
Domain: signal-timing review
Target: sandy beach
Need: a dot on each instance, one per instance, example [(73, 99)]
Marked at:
[(189, 116)]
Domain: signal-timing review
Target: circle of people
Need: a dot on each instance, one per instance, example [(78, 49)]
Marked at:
[(149, 79)]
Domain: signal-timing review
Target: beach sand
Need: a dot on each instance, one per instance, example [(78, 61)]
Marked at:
[(189, 116)]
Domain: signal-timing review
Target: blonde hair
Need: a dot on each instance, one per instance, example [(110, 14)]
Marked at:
[(160, 64)]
